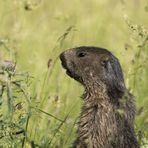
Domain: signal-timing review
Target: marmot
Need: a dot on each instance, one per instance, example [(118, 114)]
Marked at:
[(107, 116)]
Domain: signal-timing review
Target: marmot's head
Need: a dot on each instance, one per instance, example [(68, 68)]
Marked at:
[(91, 65)]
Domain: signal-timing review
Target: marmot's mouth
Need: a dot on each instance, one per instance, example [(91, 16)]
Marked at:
[(68, 72), (64, 64)]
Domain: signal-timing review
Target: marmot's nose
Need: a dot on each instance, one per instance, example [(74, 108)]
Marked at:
[(63, 59)]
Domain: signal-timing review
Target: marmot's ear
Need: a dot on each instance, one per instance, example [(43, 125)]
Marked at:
[(104, 60), (114, 77)]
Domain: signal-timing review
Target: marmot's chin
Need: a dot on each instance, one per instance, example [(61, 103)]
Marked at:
[(68, 72), (72, 75)]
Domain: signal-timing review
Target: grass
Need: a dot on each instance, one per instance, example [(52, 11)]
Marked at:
[(39, 104)]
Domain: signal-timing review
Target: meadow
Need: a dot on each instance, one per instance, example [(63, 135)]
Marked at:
[(39, 103)]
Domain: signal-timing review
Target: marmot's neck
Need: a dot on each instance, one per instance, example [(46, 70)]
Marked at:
[(94, 88), (97, 118)]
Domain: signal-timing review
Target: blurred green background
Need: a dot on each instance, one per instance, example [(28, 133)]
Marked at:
[(39, 104)]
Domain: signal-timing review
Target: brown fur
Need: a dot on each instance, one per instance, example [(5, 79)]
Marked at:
[(107, 116)]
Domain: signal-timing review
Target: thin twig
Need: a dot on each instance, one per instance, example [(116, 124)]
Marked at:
[(48, 114)]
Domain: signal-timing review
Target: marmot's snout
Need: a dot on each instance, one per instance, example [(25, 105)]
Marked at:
[(66, 62), (65, 58)]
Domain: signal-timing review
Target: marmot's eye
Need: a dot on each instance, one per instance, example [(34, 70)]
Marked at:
[(81, 54)]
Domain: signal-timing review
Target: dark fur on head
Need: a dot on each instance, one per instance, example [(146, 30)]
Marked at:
[(114, 77)]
